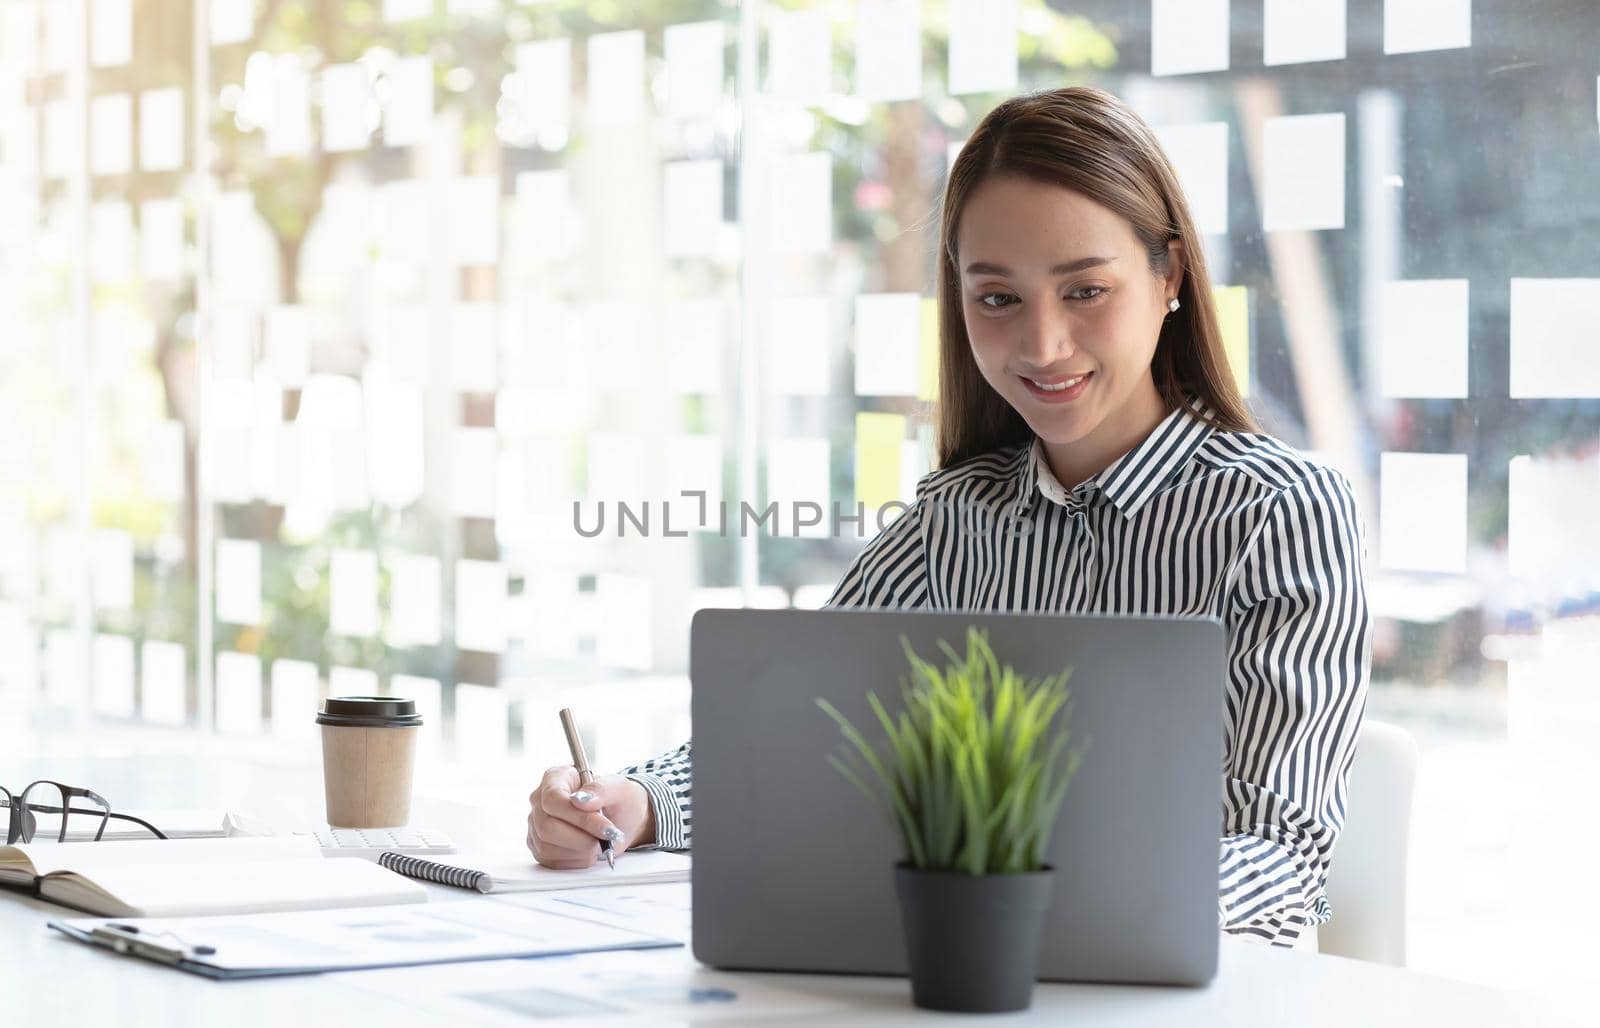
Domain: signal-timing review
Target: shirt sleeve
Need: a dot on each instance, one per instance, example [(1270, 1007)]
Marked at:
[(1299, 658), (890, 572)]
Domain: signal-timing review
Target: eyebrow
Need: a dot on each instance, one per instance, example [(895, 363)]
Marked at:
[(1081, 264)]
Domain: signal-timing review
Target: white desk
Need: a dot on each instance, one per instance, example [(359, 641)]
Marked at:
[(47, 980)]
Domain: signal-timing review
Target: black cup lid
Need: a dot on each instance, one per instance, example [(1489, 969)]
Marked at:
[(369, 712)]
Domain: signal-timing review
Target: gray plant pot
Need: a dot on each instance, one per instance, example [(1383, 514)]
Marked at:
[(972, 940)]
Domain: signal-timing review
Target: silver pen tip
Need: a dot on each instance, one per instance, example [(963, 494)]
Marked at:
[(611, 860)]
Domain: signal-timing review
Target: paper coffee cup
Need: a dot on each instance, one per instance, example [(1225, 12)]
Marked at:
[(369, 745)]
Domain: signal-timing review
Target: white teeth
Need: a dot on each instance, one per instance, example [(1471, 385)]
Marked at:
[(1069, 383)]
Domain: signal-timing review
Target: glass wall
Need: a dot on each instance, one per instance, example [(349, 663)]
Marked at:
[(461, 349)]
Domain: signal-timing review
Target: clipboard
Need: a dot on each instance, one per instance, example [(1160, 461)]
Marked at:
[(322, 941)]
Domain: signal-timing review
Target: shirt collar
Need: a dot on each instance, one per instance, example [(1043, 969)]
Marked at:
[(1131, 480)]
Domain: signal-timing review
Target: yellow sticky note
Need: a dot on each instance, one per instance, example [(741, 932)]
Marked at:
[(878, 439), (928, 352), (1233, 316)]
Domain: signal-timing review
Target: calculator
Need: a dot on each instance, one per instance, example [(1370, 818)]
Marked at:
[(369, 842)]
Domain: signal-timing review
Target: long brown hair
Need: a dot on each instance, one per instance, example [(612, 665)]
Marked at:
[(1092, 143)]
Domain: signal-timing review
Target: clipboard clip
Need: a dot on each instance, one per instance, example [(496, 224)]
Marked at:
[(129, 940)]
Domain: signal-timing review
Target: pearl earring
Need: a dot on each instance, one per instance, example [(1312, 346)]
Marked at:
[(1173, 304)]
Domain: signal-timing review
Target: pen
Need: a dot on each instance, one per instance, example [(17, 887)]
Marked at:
[(585, 776)]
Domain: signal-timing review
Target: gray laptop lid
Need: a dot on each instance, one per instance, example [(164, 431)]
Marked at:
[(793, 868)]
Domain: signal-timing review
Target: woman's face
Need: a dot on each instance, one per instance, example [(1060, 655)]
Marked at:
[(1063, 312)]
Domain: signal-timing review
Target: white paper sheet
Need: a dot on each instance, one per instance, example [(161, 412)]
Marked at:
[(1199, 153), (111, 134), (289, 131), (1297, 31), (163, 682), (1422, 340), (238, 701), (414, 602), (348, 104), (544, 221), (983, 46), (552, 600), (408, 114), (798, 473), (395, 442), (625, 635), (616, 77), (692, 192), (480, 612), (353, 592), (544, 67), (161, 115), (612, 351), (888, 343), (888, 50), (694, 341), (295, 687), (799, 55), (238, 575), (1422, 514), (799, 346), (1551, 546), (110, 32), (481, 722), (113, 675), (1188, 36), (473, 456), (694, 54), (402, 214), (1554, 336), (474, 205), (801, 202), (1304, 172), (1413, 25), (474, 348)]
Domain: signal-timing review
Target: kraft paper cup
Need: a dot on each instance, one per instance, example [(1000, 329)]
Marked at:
[(369, 746)]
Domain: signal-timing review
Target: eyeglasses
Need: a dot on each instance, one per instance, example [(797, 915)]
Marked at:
[(47, 797)]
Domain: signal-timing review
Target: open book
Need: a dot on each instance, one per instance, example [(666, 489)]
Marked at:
[(193, 877), (519, 873)]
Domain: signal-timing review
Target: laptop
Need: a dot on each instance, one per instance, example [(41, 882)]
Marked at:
[(793, 867)]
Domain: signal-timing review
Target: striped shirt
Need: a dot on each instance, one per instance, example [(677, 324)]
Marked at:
[(1194, 520)]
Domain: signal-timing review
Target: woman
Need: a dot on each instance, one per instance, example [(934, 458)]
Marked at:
[(1085, 401)]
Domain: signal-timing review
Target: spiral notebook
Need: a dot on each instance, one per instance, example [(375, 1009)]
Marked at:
[(521, 874)]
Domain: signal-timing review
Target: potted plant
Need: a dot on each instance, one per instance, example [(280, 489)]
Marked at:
[(973, 774)]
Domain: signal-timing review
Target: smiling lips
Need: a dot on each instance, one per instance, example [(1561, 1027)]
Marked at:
[(1058, 388)]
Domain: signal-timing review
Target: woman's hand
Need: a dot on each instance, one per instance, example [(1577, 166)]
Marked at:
[(566, 823)]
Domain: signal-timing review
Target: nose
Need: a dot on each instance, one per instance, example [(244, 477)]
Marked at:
[(1046, 336)]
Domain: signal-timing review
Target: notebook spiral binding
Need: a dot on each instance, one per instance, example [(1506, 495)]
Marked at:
[(427, 870)]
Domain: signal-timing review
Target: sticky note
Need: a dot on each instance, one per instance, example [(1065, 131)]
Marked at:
[(414, 602), (1422, 511), (801, 203), (63, 34), (480, 605), (693, 464), (615, 469), (1233, 319), (694, 341), (888, 50), (1304, 170), (481, 724), (474, 204), (113, 675), (552, 627), (240, 265), (111, 258), (473, 455), (161, 118), (474, 348), (1297, 31), (799, 346), (353, 592), (544, 69), (163, 682), (694, 54), (231, 21), (401, 344), (110, 32), (238, 693), (286, 342), (427, 694), (1547, 546), (288, 132), (1422, 338), (346, 228), (161, 246), (111, 134), (348, 108), (1553, 337), (395, 442), (878, 454), (408, 113), (888, 330), (163, 462), (63, 139), (616, 77), (611, 346), (401, 211), (983, 46), (625, 635), (798, 476), (113, 569), (799, 55), (352, 681), (238, 581), (1414, 25), (1199, 154), (544, 217), (692, 192), (1188, 36), (294, 699), (928, 350)]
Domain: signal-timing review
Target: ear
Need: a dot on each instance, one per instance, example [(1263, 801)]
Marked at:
[(1176, 259)]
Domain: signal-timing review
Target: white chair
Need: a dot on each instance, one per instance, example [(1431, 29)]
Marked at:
[(1367, 877)]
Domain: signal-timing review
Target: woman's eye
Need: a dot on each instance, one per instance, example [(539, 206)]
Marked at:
[(1086, 293), (995, 301)]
